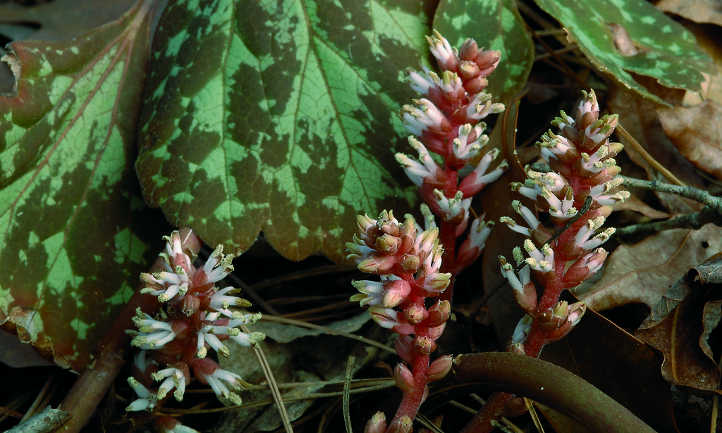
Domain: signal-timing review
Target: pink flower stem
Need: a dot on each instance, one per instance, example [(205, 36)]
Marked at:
[(447, 236), (411, 401)]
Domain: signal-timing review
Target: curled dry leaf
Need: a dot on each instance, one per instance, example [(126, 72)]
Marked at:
[(697, 133), (643, 272), (682, 338), (701, 11), (711, 315)]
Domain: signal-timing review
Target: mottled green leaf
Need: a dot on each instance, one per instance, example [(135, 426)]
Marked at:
[(278, 116), (70, 245), (494, 25), (632, 36)]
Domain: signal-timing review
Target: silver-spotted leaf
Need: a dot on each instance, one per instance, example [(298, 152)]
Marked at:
[(622, 37), (278, 116), (494, 25), (70, 239)]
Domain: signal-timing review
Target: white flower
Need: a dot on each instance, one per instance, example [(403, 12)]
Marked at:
[(153, 334), (516, 282), (372, 292), (582, 238), (542, 261), (224, 383), (221, 301), (171, 378), (424, 116), (171, 283), (441, 49), (218, 265), (146, 401), (424, 168), (456, 207)]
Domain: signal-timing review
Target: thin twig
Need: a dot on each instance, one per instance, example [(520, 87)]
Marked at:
[(270, 378), (697, 194), (690, 221), (327, 330), (347, 394), (647, 157), (314, 383), (45, 421), (426, 422), (286, 399), (534, 416), (555, 52)]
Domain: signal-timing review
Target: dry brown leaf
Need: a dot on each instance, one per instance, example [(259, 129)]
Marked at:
[(697, 133), (639, 117), (711, 315), (678, 337), (701, 11), (644, 272), (634, 204)]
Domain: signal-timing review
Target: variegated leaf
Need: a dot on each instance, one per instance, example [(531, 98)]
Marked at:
[(622, 37), (70, 227), (278, 116)]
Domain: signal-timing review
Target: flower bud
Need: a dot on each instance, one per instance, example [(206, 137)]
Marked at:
[(387, 244), (377, 423), (401, 425), (387, 224), (404, 378), (468, 69), (415, 313), (377, 265), (424, 344), (469, 50), (439, 368), (395, 293), (476, 85), (410, 262), (439, 313), (585, 267)]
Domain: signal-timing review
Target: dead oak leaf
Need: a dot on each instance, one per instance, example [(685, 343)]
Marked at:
[(701, 11), (644, 272), (697, 133)]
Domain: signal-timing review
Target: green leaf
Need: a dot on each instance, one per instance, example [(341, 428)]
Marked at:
[(70, 239), (647, 42), (494, 25), (278, 116)]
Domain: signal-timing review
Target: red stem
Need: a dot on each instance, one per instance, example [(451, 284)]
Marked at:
[(412, 400), (447, 236)]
